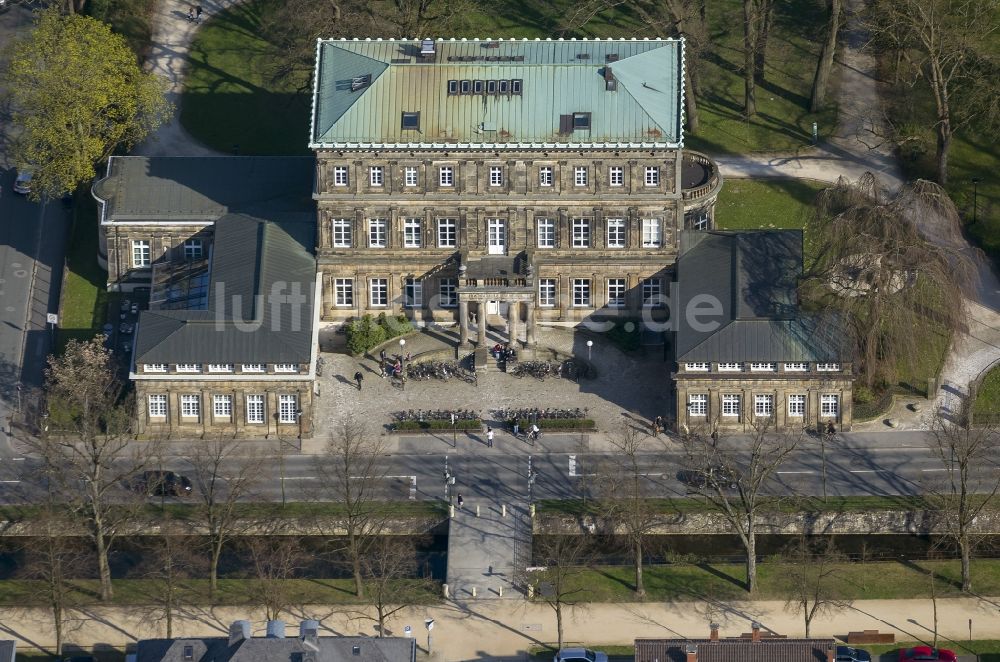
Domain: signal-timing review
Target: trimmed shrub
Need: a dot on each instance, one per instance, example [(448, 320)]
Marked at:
[(626, 335), (863, 395), (421, 426), (559, 424), (363, 334), (397, 325)]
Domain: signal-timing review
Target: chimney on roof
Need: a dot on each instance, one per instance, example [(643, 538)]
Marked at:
[(713, 632), (692, 653), (275, 629), (831, 653), (238, 632), (610, 82), (755, 631), (309, 634)]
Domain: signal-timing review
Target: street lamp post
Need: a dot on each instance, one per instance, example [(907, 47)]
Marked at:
[(975, 199), (429, 624), (590, 346)]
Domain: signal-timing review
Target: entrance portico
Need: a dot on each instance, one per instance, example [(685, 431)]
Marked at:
[(498, 282)]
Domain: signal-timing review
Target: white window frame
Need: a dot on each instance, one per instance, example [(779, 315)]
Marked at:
[(697, 366), (617, 289), (193, 249), (796, 367), (222, 406), (545, 176), (546, 292), (652, 176), (378, 232), (796, 405), (546, 233), (343, 292), (288, 408), (341, 232), (616, 233), (376, 176), (581, 233), (412, 232), (616, 176), (154, 367), (652, 292), (829, 405), (582, 293), (188, 367), (220, 367), (731, 405), (763, 405), (141, 253), (190, 405), (827, 367), (447, 232), (496, 175), (580, 176), (413, 293), (730, 367), (410, 177), (697, 404), (378, 292), (156, 405), (446, 176), (340, 177), (255, 408), (253, 368), (763, 367), (448, 292), (652, 233), (286, 367)]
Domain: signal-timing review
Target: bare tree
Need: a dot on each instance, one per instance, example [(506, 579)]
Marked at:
[(735, 481), (824, 65), (350, 474), (560, 584), (224, 473), (276, 558), (92, 464), (969, 483), (168, 561), (811, 579), (950, 46), (389, 566)]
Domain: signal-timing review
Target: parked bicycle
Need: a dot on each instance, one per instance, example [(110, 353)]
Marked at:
[(436, 415)]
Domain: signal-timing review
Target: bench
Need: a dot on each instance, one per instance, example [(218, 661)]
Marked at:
[(870, 637)]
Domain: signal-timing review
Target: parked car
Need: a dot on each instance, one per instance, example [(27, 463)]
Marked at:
[(580, 655), (22, 184), (926, 654), (848, 654), (716, 474), (163, 483)]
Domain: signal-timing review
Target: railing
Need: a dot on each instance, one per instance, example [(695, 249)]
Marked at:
[(495, 282), (714, 180)]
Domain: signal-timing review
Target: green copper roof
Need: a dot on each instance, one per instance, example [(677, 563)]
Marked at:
[(632, 90)]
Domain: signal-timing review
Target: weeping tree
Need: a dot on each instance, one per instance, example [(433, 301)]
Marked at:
[(892, 266)]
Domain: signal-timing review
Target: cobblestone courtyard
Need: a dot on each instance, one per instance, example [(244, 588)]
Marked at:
[(627, 387)]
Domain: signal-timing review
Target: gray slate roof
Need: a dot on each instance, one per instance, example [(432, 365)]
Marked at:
[(8, 650), (754, 278), (259, 649), (556, 78), (734, 650)]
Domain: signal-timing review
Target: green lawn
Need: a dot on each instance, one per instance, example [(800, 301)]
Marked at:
[(988, 397), (766, 204), (577, 507), (84, 294)]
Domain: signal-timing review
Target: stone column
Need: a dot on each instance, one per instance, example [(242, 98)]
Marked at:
[(481, 323), (463, 322), (529, 331), (512, 315)]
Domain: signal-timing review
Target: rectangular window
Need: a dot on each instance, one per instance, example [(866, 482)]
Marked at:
[(496, 175), (491, 87), (515, 86), (413, 293), (829, 405), (581, 121), (581, 233), (342, 233), (616, 233), (157, 406), (343, 291), (222, 406), (616, 176), (190, 406), (796, 405), (730, 405), (446, 176), (411, 233), (192, 249), (652, 176), (467, 87), (698, 404), (220, 367), (410, 176), (545, 176), (447, 233), (547, 292), (730, 367), (410, 121), (580, 175), (288, 408), (796, 367), (188, 367), (452, 87), (140, 254), (378, 292), (286, 367), (546, 233), (505, 87), (763, 367), (616, 293), (340, 175), (651, 234), (828, 367), (448, 292), (377, 232), (696, 367), (252, 367), (154, 367), (478, 87), (581, 292), (763, 405), (255, 409), (652, 292), (376, 176)]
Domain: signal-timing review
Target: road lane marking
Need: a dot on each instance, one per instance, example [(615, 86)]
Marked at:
[(796, 472), (934, 470), (867, 471), (301, 478), (572, 469), (10, 481)]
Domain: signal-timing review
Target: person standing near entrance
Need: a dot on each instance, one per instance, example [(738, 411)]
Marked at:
[(489, 437), (460, 501)]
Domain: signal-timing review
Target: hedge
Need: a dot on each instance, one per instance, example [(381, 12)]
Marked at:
[(463, 425), (368, 332), (560, 424)]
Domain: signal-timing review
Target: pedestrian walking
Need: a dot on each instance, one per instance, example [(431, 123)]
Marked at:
[(657, 426), (489, 437), (381, 369), (381, 355), (197, 12), (191, 14), (460, 501), (830, 429), (358, 377)]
